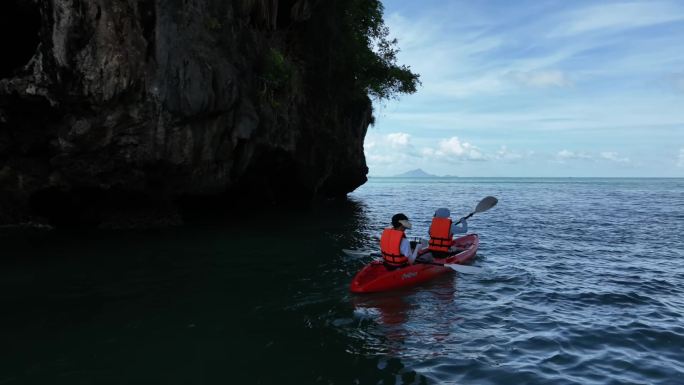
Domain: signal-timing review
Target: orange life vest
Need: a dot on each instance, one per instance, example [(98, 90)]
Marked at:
[(390, 247), (440, 235)]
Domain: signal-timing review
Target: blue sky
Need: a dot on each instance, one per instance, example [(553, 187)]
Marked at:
[(535, 88)]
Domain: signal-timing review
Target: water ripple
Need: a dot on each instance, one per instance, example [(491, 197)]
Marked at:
[(575, 292)]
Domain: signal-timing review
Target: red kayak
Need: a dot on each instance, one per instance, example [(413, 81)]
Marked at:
[(375, 277)]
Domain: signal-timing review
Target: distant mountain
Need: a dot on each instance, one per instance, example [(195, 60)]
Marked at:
[(417, 173)]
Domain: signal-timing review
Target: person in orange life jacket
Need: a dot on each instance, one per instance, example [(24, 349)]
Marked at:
[(442, 231), (395, 248)]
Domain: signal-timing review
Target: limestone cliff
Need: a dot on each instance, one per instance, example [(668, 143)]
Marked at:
[(113, 108)]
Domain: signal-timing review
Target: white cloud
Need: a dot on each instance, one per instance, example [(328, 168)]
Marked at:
[(680, 158), (453, 146), (467, 87), (410, 33), (678, 81), (398, 139), (605, 114), (380, 159), (453, 149), (496, 83), (618, 16), (427, 152), (542, 79), (505, 154), (614, 156), (386, 151), (568, 155)]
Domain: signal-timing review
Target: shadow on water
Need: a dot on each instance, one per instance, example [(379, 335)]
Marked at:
[(256, 300)]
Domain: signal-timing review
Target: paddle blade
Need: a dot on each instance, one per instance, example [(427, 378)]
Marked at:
[(355, 253), (486, 204), (360, 253), (464, 269)]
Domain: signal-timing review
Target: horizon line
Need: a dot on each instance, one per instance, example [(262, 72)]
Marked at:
[(518, 177)]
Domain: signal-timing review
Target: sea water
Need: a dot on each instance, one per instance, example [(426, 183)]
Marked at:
[(583, 283)]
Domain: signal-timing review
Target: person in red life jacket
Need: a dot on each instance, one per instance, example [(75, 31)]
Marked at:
[(395, 248), (442, 231)]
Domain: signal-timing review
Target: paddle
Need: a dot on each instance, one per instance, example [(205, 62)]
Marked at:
[(354, 253), (453, 266), (464, 269), (485, 204)]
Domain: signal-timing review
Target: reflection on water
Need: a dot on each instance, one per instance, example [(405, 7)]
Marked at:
[(392, 312), (389, 309)]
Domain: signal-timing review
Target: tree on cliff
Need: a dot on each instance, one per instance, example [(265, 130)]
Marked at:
[(373, 54), (349, 52)]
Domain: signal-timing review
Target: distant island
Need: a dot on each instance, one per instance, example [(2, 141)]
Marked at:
[(417, 173)]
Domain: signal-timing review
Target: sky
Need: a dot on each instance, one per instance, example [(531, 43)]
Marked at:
[(535, 89)]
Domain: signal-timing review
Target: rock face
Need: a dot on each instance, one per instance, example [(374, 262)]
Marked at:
[(112, 109)]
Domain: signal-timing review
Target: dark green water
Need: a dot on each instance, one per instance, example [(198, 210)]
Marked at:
[(254, 301), (583, 285)]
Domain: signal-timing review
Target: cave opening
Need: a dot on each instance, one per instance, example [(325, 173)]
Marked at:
[(19, 34)]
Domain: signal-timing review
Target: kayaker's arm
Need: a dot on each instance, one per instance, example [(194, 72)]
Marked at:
[(405, 248), (413, 256), (462, 229)]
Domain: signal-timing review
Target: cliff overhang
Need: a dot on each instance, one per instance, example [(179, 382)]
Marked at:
[(126, 111)]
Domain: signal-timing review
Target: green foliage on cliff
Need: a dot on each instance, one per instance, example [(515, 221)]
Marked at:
[(278, 70), (277, 75), (213, 24), (372, 54), (342, 51)]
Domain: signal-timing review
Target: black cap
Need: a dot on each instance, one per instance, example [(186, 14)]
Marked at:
[(397, 220)]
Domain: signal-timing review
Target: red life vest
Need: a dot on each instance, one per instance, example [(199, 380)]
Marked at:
[(440, 234), (390, 247)]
